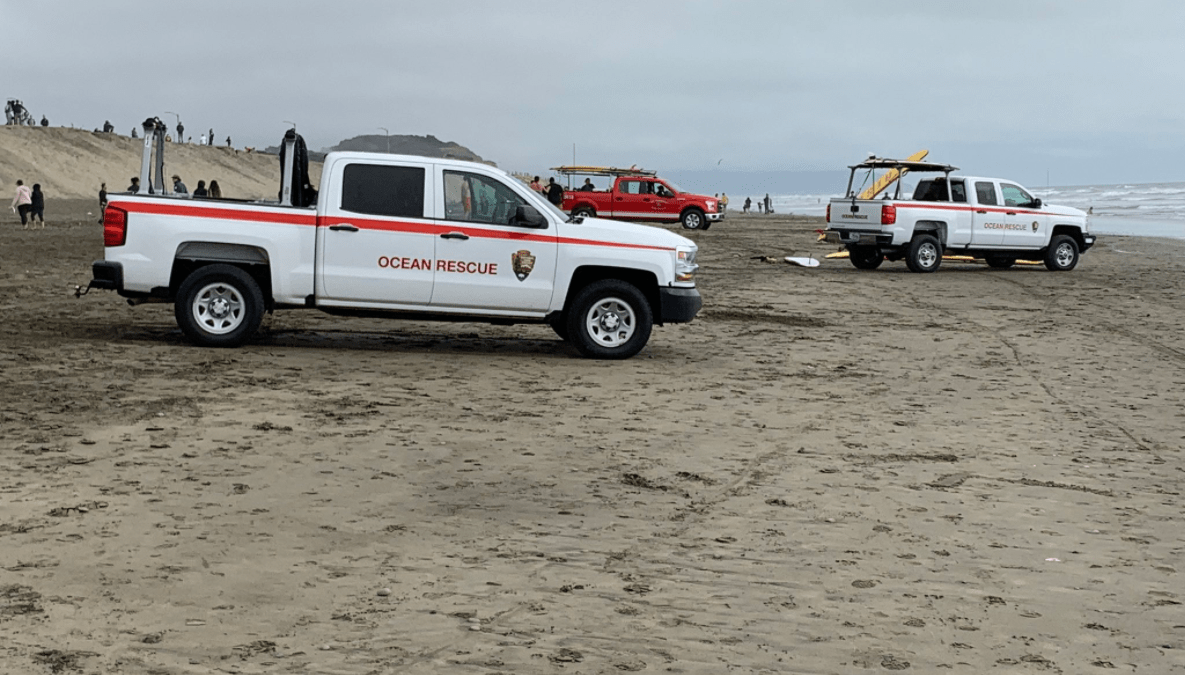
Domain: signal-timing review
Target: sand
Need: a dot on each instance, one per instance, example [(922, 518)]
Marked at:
[(829, 471)]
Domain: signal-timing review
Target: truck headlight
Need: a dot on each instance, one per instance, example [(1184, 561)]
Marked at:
[(685, 266)]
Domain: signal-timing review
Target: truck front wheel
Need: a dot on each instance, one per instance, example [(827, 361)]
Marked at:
[(219, 306), (865, 257), (925, 253), (1062, 255), (693, 219), (609, 319)]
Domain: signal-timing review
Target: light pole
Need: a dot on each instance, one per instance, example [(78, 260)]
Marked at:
[(168, 112), (388, 133)]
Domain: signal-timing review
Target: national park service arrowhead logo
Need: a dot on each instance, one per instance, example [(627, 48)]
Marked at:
[(1036, 225), (522, 262)]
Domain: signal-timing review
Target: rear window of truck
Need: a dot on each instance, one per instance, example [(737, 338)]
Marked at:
[(381, 190)]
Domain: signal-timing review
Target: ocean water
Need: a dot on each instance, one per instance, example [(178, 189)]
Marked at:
[(1144, 209)]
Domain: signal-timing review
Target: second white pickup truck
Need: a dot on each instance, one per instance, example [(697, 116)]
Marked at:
[(394, 236), (989, 218)]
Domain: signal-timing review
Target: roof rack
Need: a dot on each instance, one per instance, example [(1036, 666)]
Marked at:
[(885, 163), (601, 171)]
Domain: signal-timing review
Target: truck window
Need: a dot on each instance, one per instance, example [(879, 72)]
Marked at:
[(958, 191), (985, 193), (477, 198), (381, 190), (635, 187), (1014, 195)]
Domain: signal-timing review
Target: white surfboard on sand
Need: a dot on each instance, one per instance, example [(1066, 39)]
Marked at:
[(802, 261)]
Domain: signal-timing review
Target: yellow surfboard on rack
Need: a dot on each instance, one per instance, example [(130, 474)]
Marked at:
[(891, 177)]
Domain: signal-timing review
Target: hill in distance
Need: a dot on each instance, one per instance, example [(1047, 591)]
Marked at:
[(398, 144)]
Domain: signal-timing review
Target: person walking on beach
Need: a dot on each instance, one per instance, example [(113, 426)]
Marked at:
[(37, 207), (748, 204), (555, 192), (768, 204), (200, 190), (723, 202), (22, 202), (215, 191)]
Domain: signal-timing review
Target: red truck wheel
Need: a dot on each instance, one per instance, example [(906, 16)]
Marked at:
[(584, 212), (693, 219)]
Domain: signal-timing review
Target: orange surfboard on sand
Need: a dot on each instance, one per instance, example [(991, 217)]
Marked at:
[(891, 177)]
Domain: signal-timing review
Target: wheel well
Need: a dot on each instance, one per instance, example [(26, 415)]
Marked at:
[(935, 227), (586, 206), (1070, 230), (692, 207), (645, 282), (260, 272)]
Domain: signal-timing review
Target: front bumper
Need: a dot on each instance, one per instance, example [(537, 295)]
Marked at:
[(678, 305), (713, 217), (857, 238), (1088, 240)]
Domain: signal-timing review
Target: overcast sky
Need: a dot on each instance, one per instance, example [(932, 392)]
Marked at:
[(1085, 91)]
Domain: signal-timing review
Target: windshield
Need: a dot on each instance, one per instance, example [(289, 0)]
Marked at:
[(674, 187)]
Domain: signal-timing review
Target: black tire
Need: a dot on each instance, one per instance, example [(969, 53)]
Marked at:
[(1062, 254), (693, 219), (219, 306), (584, 212), (865, 257), (925, 254), (1000, 262), (609, 319)]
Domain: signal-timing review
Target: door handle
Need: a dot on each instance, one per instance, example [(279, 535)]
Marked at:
[(1011, 213), (454, 235), (981, 211), (343, 227), (619, 199), (645, 199)]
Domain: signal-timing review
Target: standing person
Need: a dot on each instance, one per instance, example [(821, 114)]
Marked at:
[(200, 190), (37, 206), (748, 204), (555, 192), (769, 208), (211, 137), (536, 185), (178, 186), (588, 186), (44, 121), (215, 191), (228, 141), (102, 197), (22, 202), (180, 131), (723, 202)]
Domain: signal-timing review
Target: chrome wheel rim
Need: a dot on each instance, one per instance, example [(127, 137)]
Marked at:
[(927, 255), (610, 322), (219, 308), (692, 221), (1064, 255)]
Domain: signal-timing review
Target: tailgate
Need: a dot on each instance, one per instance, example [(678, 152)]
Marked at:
[(862, 214)]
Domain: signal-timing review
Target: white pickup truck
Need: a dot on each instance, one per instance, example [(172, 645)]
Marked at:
[(395, 236), (988, 218)]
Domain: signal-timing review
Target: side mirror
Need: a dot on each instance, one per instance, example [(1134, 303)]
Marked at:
[(1037, 203), (527, 216)]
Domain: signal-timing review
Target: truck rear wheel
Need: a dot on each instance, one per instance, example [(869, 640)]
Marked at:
[(693, 219), (1062, 254), (925, 253), (609, 319), (219, 306), (865, 257), (584, 212)]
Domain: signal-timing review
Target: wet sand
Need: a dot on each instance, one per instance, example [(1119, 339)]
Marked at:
[(829, 471)]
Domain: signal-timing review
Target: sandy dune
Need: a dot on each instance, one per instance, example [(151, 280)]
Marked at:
[(830, 471)]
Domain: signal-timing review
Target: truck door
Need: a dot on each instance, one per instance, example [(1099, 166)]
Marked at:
[(482, 260), (634, 199), (375, 243), (666, 204), (988, 222), (1027, 226), (961, 219)]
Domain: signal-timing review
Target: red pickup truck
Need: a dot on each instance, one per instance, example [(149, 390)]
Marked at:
[(637, 194)]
